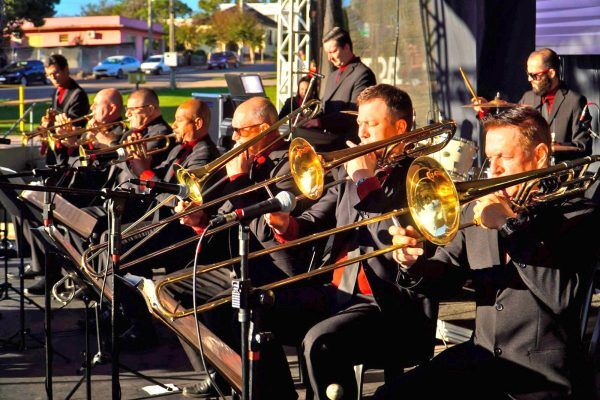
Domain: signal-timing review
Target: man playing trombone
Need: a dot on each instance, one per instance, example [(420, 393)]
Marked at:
[(529, 269), (362, 316), (264, 160)]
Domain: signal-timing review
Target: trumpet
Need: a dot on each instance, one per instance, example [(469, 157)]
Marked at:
[(434, 202), (46, 133), (81, 131), (86, 155)]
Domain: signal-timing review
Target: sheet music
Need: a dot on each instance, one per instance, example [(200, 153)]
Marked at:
[(65, 212)]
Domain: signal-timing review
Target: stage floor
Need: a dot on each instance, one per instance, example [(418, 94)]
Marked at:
[(22, 372)]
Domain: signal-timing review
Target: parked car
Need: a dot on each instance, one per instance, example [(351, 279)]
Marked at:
[(223, 59), (23, 73), (116, 66), (155, 65)]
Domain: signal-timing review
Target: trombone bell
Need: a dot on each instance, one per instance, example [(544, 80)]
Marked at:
[(433, 200), (306, 168), (189, 180)]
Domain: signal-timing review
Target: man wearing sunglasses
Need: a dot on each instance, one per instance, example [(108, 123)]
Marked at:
[(560, 106)]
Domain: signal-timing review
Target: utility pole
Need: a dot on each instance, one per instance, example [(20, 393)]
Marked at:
[(150, 45), (173, 84)]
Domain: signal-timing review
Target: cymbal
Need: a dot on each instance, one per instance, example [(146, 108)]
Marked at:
[(496, 103)]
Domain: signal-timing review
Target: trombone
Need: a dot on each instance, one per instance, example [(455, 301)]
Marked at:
[(121, 149), (308, 170), (195, 179), (434, 202)]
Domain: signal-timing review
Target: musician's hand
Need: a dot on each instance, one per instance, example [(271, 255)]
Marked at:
[(361, 167), (408, 236), (196, 220), (240, 164), (476, 101), (66, 128), (138, 151), (46, 121), (278, 221), (312, 123), (492, 211)]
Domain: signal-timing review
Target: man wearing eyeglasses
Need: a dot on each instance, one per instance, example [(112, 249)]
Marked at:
[(560, 106), (145, 120)]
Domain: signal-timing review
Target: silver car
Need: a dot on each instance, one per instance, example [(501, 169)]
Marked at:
[(116, 66)]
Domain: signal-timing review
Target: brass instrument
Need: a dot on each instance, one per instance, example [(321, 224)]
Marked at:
[(46, 134), (87, 154), (195, 179), (434, 202), (71, 286), (308, 168), (81, 131)]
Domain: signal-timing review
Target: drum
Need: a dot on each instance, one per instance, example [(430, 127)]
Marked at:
[(457, 158)]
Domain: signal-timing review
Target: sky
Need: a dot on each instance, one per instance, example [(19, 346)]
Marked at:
[(73, 7)]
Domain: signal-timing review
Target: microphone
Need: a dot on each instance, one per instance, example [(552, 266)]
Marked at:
[(119, 155), (180, 191), (318, 75), (284, 201), (5, 140)]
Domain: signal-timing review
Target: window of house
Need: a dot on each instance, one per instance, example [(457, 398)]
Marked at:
[(63, 37)]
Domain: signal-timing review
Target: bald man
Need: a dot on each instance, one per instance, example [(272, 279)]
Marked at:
[(107, 108), (145, 120), (194, 149)]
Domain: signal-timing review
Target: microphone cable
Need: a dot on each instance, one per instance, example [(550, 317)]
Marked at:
[(198, 335)]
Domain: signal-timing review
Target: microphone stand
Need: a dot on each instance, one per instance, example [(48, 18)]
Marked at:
[(240, 299), (244, 298)]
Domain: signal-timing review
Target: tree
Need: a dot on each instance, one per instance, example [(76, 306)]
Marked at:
[(190, 37), (208, 7), (14, 12), (104, 7), (233, 25)]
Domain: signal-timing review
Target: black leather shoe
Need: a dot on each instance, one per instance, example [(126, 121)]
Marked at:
[(205, 388), (28, 273), (39, 288)]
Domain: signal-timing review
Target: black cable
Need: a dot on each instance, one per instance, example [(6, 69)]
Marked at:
[(198, 336)]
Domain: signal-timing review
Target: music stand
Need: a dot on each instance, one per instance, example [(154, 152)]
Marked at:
[(14, 206)]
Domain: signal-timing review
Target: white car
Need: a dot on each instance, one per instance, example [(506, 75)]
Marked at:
[(116, 66), (155, 65)]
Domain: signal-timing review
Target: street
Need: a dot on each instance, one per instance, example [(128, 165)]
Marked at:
[(186, 77)]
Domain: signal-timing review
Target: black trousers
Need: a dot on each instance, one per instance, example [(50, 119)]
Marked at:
[(468, 371), (334, 337)]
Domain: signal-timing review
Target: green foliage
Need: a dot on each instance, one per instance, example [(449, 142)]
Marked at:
[(235, 26), (208, 7), (17, 11)]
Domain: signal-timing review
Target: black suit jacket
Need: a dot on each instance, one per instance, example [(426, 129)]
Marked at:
[(528, 308), (120, 173), (340, 95), (75, 104), (564, 120), (341, 206), (278, 265)]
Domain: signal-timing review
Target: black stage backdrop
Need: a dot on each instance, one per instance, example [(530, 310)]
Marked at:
[(418, 46)]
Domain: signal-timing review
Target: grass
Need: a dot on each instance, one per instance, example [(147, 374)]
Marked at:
[(169, 101)]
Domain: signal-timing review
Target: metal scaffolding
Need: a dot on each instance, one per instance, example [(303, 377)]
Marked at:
[(293, 46)]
